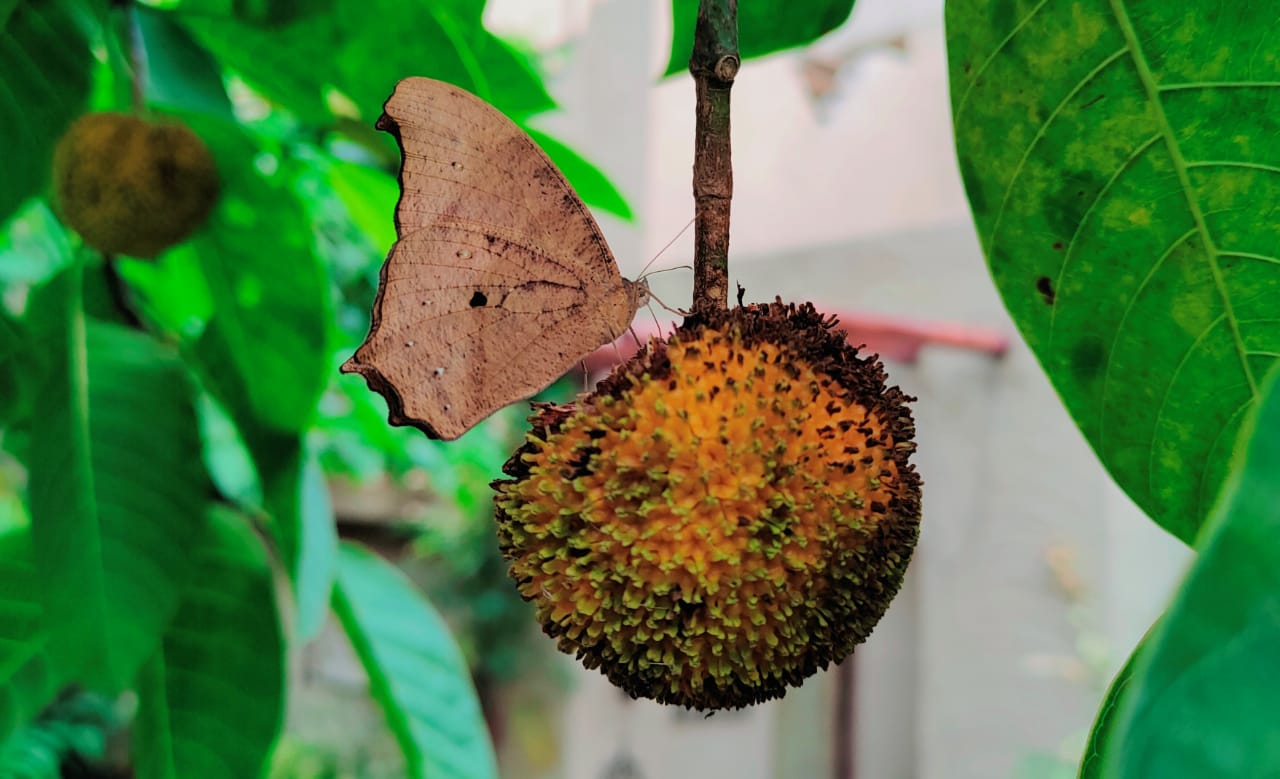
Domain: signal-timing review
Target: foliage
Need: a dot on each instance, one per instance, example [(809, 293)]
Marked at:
[(173, 424), (414, 669), (1121, 171)]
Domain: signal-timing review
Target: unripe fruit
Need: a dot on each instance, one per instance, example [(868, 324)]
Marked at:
[(131, 186)]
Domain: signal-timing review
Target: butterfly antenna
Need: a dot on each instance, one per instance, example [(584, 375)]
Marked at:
[(647, 265)]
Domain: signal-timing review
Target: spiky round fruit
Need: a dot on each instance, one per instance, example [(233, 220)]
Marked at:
[(130, 186), (728, 513)]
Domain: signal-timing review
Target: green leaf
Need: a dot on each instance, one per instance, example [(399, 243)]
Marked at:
[(1122, 170), (18, 369), (34, 246), (764, 26), (347, 49), (73, 728), (1103, 730), (181, 76), (264, 12), (169, 292), (315, 549), (292, 491), (416, 672), (116, 487), (369, 196), (211, 703), (592, 186), (264, 353), (27, 676), (1202, 702), (44, 56)]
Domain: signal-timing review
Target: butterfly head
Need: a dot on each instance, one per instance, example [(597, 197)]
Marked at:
[(637, 293)]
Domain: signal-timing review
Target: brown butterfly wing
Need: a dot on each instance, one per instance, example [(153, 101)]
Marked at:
[(500, 280)]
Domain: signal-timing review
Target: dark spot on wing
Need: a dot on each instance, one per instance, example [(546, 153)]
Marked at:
[(478, 299)]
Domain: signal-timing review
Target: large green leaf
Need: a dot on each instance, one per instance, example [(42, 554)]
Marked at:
[(211, 703), (764, 26), (1104, 726), (416, 672), (116, 487), (1202, 702), (44, 56), (27, 677), (352, 48), (1122, 167)]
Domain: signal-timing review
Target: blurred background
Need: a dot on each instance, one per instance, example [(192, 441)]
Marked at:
[(1034, 574)]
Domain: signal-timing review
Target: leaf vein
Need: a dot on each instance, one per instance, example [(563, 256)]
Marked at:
[(1148, 80)]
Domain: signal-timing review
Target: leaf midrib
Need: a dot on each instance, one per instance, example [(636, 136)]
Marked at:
[(1147, 78)]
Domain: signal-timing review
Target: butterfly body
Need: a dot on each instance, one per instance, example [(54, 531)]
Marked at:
[(500, 280)]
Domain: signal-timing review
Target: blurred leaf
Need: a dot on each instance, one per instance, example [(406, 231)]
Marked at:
[(27, 675), (181, 75), (1202, 701), (289, 485), (211, 703), (227, 457), (1100, 735), (44, 56), (33, 245), (264, 352), (764, 26), (73, 729), (170, 292), (111, 530), (370, 197), (317, 550), (416, 672), (1122, 180), (18, 370), (349, 49), (592, 186), (266, 12)]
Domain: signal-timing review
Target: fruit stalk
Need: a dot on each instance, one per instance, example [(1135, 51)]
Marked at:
[(714, 64)]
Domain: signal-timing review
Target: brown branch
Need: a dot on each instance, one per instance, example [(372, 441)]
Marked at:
[(714, 64)]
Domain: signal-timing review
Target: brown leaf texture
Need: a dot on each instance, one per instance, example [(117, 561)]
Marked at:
[(500, 280)]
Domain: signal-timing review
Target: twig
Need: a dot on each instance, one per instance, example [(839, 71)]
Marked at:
[(714, 64), (136, 51)]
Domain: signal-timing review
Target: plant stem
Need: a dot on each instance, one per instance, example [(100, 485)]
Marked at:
[(135, 52), (714, 64)]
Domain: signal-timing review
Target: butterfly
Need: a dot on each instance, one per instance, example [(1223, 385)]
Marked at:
[(499, 280)]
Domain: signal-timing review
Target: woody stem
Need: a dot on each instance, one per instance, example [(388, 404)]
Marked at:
[(714, 65)]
